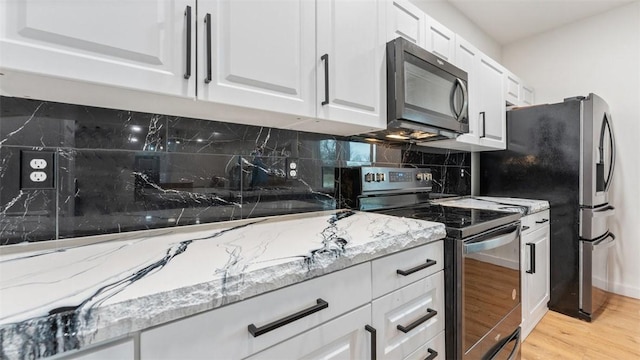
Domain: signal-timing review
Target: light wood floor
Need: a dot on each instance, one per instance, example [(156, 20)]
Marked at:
[(613, 335)]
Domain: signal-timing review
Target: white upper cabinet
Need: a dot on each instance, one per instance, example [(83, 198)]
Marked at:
[(528, 95), (487, 117), (491, 110), (139, 45), (258, 54), (516, 91), (350, 64), (406, 20), (512, 88), (440, 40)]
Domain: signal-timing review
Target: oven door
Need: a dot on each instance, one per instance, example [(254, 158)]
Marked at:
[(491, 289)]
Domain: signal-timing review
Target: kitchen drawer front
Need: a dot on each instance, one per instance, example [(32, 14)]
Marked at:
[(410, 305), (341, 338), (223, 333), (385, 270), (433, 350), (533, 222)]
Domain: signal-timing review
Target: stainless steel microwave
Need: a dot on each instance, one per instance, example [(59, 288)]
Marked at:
[(427, 97)]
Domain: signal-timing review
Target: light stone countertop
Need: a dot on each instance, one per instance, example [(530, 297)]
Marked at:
[(523, 206), (70, 294)]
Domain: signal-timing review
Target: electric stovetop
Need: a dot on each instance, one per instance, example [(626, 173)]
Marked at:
[(460, 223)]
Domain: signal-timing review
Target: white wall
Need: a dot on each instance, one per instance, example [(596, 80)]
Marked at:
[(600, 54), (452, 18)]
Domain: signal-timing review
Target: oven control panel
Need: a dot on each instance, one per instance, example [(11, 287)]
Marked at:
[(389, 179)]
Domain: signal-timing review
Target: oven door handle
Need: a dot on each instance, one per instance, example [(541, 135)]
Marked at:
[(491, 243)]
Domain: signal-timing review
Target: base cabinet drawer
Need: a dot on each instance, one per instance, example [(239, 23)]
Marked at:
[(533, 222), (225, 332), (342, 338), (395, 271), (434, 349), (410, 317), (118, 350)]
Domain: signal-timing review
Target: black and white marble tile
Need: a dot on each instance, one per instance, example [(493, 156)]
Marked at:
[(69, 297), (119, 170)]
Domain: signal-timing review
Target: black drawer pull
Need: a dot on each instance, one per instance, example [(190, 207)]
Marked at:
[(432, 354), (417, 268), (325, 58), (373, 332), (430, 313), (257, 331), (187, 15), (207, 21), (542, 221), (525, 228), (532, 258)]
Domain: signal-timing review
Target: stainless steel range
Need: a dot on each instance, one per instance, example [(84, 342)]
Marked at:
[(482, 257)]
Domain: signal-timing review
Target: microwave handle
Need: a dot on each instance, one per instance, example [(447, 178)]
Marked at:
[(465, 98)]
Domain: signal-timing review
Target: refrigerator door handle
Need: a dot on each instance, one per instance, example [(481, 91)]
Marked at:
[(606, 124), (607, 242), (605, 211)]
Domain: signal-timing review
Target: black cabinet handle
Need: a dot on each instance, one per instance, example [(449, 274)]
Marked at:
[(542, 221), (525, 228), (187, 15), (405, 329), (484, 128), (325, 58), (417, 268), (532, 258), (373, 332), (432, 354), (257, 331), (207, 22)]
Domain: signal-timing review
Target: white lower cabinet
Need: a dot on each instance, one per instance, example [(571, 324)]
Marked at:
[(224, 333), (335, 316), (434, 349), (346, 337), (117, 350), (534, 269), (410, 317)]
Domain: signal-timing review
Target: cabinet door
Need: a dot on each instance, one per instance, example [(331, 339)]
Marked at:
[(350, 63), (405, 20), (342, 338), (418, 308), (527, 95), (491, 105), (141, 45), (466, 58), (535, 269), (512, 89), (440, 40), (258, 54)]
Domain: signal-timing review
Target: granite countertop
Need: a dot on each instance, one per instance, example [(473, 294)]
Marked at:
[(83, 291), (523, 206)]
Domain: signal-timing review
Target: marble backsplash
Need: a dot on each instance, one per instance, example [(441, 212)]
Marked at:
[(118, 170)]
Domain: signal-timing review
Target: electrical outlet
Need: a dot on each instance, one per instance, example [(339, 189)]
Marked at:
[(38, 164), (38, 176), (291, 168), (37, 170)]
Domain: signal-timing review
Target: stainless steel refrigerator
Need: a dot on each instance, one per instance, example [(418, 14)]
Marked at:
[(563, 153)]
